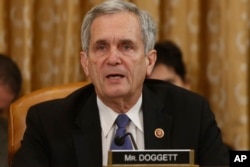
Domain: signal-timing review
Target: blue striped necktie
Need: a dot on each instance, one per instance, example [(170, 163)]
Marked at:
[(122, 121)]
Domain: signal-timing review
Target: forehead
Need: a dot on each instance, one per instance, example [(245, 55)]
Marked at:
[(117, 25)]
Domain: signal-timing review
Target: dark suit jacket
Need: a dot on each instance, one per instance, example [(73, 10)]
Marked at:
[(67, 132)]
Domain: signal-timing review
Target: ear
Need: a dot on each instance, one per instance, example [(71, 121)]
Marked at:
[(151, 58), (84, 62)]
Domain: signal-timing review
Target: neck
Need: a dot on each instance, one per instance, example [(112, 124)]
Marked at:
[(122, 104)]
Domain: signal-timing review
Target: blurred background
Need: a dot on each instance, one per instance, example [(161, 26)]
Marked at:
[(43, 37)]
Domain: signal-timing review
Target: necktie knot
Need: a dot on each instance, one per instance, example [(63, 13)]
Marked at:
[(122, 121)]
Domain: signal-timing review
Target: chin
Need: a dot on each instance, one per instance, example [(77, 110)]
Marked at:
[(116, 92)]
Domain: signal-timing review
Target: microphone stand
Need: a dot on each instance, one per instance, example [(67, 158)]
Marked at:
[(119, 140)]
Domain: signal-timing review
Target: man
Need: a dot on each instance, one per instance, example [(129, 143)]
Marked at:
[(117, 41), (10, 86), (169, 65)]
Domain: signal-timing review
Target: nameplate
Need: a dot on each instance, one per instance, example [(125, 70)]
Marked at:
[(151, 157)]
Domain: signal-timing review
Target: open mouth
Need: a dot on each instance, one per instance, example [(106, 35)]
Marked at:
[(115, 76)]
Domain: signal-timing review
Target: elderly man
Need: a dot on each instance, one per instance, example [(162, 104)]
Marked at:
[(118, 53)]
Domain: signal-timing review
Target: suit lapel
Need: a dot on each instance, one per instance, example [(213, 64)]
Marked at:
[(157, 121), (87, 134)]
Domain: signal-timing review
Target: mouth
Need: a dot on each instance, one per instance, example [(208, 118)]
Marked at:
[(115, 76)]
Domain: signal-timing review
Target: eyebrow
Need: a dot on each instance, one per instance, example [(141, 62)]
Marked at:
[(101, 41), (127, 40)]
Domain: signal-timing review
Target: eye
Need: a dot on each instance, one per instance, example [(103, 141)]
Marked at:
[(101, 47), (126, 47)]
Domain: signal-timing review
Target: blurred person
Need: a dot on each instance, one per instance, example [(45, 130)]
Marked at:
[(79, 129), (169, 64), (10, 86)]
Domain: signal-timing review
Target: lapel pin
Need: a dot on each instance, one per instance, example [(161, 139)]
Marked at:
[(159, 133)]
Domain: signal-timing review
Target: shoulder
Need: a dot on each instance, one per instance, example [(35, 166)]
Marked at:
[(72, 102), (170, 94), (166, 88)]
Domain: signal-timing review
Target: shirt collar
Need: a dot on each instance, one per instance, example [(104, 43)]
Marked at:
[(108, 116)]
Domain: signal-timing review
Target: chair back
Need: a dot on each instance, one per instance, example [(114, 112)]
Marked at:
[(19, 108)]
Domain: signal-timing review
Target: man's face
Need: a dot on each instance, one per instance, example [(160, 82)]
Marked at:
[(116, 62), (6, 97)]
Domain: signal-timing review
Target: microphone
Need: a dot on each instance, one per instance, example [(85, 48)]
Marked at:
[(119, 140)]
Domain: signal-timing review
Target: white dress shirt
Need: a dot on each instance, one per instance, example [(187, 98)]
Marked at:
[(108, 117)]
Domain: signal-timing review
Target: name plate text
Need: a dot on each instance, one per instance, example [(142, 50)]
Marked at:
[(151, 157)]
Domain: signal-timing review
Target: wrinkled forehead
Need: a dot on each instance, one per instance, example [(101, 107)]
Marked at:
[(122, 25)]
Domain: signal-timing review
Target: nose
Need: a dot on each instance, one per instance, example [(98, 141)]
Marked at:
[(114, 57)]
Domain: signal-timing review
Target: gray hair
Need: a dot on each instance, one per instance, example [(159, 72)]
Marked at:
[(148, 26)]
